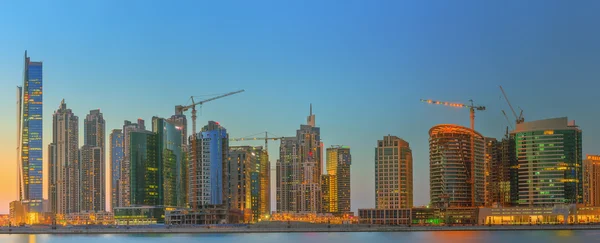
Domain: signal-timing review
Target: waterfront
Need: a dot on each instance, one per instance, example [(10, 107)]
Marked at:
[(573, 236)]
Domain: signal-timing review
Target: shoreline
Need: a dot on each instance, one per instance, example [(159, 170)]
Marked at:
[(313, 229)]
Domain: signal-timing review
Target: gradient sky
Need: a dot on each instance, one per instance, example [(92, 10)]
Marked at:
[(363, 64)]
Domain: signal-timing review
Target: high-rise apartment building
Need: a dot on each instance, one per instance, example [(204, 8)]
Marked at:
[(116, 159), (491, 161), (338, 170), (550, 162), (30, 128), (248, 183), (92, 184), (64, 162), (92, 164), (591, 180), (238, 182), (498, 158), (456, 166), (299, 170), (393, 174), (286, 165), (208, 184), (125, 180)]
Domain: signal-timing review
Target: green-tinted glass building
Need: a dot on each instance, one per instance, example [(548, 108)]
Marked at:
[(144, 169), (548, 162), (171, 163)]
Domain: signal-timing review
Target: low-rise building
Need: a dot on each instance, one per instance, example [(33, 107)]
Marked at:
[(88, 218), (401, 216), (418, 216), (204, 216), (143, 215), (316, 218)]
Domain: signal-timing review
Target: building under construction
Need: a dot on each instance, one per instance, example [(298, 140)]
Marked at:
[(456, 166)]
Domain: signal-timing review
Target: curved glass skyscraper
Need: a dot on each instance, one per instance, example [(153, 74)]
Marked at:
[(456, 160)]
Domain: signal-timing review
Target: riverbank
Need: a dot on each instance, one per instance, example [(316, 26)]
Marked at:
[(291, 229)]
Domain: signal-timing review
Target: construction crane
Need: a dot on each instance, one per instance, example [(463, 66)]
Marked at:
[(251, 138), (266, 138), (179, 110), (507, 120), (519, 119), (471, 108)]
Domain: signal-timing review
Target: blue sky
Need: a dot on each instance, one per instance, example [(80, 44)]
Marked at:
[(363, 64)]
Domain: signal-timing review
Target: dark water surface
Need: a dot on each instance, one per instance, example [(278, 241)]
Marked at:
[(435, 236)]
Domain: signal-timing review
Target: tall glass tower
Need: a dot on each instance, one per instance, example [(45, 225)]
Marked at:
[(550, 161), (116, 158), (30, 142)]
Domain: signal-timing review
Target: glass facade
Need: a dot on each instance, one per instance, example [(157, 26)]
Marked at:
[(549, 165), (144, 169), (31, 135), (209, 183), (456, 167), (116, 158), (171, 167)]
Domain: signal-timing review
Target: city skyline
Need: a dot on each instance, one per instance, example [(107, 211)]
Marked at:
[(378, 94)]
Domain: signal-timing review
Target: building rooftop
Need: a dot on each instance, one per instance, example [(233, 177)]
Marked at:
[(560, 123)]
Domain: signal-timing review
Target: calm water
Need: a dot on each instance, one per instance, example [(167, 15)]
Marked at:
[(497, 236)]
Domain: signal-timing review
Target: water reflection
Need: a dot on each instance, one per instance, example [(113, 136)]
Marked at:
[(564, 233), (571, 236)]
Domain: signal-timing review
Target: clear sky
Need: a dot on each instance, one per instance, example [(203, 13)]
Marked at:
[(363, 65)]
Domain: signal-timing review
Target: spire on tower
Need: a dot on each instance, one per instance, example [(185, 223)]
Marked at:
[(310, 120)]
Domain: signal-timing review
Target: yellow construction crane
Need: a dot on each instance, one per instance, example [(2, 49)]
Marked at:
[(180, 109), (471, 108)]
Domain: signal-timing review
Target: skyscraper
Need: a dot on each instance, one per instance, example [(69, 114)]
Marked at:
[(93, 174), (92, 187), (393, 174), (125, 180), (172, 167), (286, 165), (30, 140), (549, 160), (591, 180), (144, 170), (238, 182), (491, 161), (498, 158), (299, 170), (456, 166), (248, 186), (64, 162), (338, 170), (116, 159), (209, 182)]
